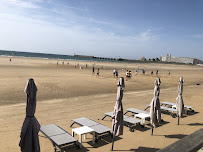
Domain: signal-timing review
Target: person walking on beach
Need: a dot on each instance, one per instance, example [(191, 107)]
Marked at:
[(126, 74), (136, 72), (143, 71), (152, 73), (157, 73), (92, 70), (116, 73), (129, 75), (98, 73)]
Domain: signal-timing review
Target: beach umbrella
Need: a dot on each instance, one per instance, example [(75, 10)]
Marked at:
[(179, 99), (29, 133), (155, 110), (117, 118)]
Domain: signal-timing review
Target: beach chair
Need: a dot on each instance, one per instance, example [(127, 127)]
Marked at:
[(60, 138), (129, 121), (100, 130), (173, 105), (135, 111)]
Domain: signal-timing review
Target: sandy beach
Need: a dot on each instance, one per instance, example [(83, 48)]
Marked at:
[(65, 93)]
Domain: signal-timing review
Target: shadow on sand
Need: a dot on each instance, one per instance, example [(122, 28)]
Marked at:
[(141, 149), (103, 141), (195, 124), (161, 124), (179, 136)]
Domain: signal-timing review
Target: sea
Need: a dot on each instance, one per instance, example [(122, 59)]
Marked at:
[(50, 56)]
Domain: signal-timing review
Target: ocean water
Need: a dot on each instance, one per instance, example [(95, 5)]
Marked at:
[(48, 56)]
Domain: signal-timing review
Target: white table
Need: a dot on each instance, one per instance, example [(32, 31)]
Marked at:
[(143, 116), (83, 131)]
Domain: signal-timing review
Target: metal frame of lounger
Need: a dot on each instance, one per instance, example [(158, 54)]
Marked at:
[(129, 121), (172, 104), (59, 137), (100, 130)]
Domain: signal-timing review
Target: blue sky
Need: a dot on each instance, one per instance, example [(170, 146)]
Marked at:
[(109, 28)]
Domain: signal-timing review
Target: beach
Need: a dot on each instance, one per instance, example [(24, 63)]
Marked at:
[(65, 93)]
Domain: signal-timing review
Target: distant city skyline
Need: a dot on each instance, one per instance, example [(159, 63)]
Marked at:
[(108, 28)]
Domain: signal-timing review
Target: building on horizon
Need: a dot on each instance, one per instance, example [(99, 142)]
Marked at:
[(185, 60)]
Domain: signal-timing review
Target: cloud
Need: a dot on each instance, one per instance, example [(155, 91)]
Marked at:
[(71, 7), (27, 34), (146, 36), (21, 3), (64, 31), (198, 36)]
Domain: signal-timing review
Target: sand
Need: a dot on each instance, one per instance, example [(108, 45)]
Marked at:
[(66, 93)]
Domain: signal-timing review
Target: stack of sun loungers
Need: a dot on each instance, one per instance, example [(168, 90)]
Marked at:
[(60, 138), (173, 105), (172, 111), (99, 129)]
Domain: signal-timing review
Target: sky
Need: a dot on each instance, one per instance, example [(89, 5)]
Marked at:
[(105, 28)]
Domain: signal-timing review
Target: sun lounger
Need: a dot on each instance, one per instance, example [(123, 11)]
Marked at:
[(99, 129), (173, 105), (110, 114), (129, 121), (59, 137), (135, 111)]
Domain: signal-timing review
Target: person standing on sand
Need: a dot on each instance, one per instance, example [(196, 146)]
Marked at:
[(114, 72), (143, 71), (92, 70), (136, 72), (98, 73), (129, 75), (157, 73), (126, 74)]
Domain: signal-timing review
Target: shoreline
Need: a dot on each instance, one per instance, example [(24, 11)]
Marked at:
[(86, 58)]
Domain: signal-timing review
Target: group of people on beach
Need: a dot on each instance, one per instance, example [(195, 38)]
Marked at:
[(115, 71), (93, 72), (157, 72)]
